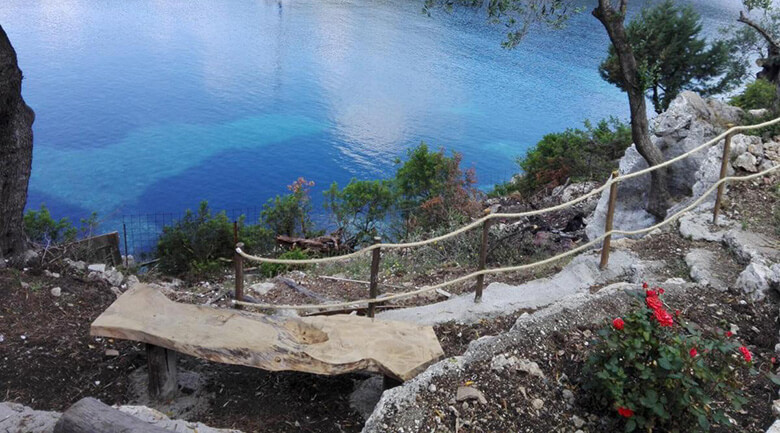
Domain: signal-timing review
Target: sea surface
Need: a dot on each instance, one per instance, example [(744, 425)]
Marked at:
[(147, 106)]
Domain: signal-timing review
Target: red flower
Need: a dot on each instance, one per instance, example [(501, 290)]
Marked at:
[(645, 286), (618, 324), (693, 352), (663, 318), (746, 353), (654, 303), (660, 291), (729, 333), (677, 313), (625, 412), (774, 360), (650, 293)]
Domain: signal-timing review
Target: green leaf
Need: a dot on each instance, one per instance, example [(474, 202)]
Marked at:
[(630, 425), (704, 423)]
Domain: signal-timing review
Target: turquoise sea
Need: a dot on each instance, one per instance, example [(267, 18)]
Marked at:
[(151, 106)]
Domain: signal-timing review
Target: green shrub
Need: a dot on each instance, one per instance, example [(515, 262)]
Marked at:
[(577, 154), (359, 208), (196, 243), (661, 372), (270, 270), (41, 228), (289, 214), (758, 94), (433, 190)]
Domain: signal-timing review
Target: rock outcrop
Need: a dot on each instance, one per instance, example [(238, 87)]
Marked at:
[(689, 122)]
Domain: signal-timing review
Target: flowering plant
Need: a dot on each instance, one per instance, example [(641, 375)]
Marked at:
[(661, 372)]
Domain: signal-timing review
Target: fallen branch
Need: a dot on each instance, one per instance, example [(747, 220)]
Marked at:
[(304, 290)]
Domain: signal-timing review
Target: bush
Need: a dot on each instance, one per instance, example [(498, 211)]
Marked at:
[(41, 228), (359, 208), (433, 190), (660, 372), (196, 243), (289, 215), (576, 154), (270, 270), (758, 94)]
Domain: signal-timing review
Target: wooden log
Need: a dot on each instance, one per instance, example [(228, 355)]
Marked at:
[(91, 416), (161, 364), (303, 290), (323, 344)]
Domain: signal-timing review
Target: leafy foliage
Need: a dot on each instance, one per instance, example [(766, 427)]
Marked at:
[(432, 189), (41, 228), (672, 57), (580, 154), (290, 214), (359, 208), (195, 243), (270, 270), (757, 94), (659, 372), (517, 16)]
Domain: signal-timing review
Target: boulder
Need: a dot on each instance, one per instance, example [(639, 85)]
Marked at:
[(689, 122), (702, 263), (757, 279), (747, 161)]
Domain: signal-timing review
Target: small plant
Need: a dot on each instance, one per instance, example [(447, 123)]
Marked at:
[(270, 270), (758, 94), (660, 372), (41, 228)]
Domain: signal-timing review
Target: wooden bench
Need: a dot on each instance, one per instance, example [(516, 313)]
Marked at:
[(326, 345)]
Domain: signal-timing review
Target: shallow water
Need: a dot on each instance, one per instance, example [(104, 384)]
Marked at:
[(148, 106)]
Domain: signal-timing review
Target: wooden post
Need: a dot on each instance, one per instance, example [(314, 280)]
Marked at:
[(161, 364), (610, 216), (127, 260), (374, 280), (724, 167), (238, 263), (482, 260)]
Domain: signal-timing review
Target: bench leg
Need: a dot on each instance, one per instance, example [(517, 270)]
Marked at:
[(162, 372)]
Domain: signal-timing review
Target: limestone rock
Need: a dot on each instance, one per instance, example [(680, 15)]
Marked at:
[(774, 428), (698, 227), (758, 112), (97, 267), (530, 367), (262, 288), (747, 161), (56, 292), (501, 362), (702, 264), (466, 393), (17, 418), (757, 279)]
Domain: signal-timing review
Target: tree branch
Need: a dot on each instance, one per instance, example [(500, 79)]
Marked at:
[(771, 40)]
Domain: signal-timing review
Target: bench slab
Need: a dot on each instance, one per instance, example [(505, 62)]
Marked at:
[(326, 345)]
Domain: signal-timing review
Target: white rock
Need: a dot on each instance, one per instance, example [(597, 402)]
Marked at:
[(97, 267), (537, 403), (465, 393), (747, 161), (758, 112), (529, 367), (50, 274), (113, 277), (774, 428), (500, 362), (262, 288), (56, 291), (756, 279)]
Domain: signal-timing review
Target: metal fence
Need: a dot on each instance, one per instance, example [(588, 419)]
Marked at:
[(139, 232)]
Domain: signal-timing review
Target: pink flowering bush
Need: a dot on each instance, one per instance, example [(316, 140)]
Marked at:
[(660, 372)]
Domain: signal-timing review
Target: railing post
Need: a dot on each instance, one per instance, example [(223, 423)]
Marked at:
[(724, 166), (374, 280), (482, 260), (127, 259), (608, 225), (238, 262)]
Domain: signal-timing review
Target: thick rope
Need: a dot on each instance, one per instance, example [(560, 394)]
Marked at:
[(482, 220), (669, 220)]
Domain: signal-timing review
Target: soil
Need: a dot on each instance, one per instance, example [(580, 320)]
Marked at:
[(48, 361), (560, 350)]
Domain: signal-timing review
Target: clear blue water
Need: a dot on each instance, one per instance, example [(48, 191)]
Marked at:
[(148, 106)]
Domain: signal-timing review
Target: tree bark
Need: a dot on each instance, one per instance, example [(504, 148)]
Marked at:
[(16, 141), (612, 19)]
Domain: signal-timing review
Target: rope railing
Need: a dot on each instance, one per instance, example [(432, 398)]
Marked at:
[(484, 221), (517, 268)]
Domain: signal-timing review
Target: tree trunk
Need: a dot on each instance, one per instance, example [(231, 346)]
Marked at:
[(612, 20), (16, 141)]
